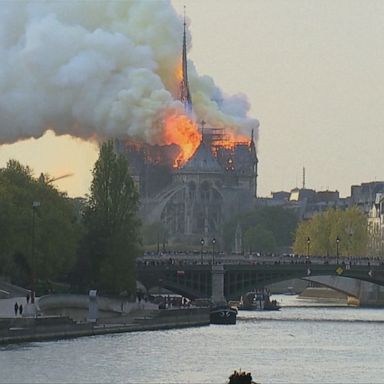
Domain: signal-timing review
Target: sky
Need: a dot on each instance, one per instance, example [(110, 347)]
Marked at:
[(312, 72)]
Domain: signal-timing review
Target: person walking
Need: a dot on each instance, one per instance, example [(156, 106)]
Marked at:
[(28, 298), (16, 308), (21, 309)]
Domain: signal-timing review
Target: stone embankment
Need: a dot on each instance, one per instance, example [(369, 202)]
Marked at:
[(27, 329)]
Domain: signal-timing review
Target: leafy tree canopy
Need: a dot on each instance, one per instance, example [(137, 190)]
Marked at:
[(112, 240), (259, 239), (154, 233), (280, 224), (322, 230), (55, 232)]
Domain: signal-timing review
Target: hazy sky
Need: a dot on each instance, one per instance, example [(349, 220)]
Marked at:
[(312, 72)]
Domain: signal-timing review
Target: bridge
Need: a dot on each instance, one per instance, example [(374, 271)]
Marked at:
[(195, 280)]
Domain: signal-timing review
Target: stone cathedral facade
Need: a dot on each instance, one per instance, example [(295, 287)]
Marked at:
[(194, 200)]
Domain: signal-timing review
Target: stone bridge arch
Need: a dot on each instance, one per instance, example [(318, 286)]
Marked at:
[(195, 281), (366, 292)]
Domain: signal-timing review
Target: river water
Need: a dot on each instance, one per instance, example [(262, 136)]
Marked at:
[(304, 342)]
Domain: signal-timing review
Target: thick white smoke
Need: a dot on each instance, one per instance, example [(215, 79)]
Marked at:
[(96, 69)]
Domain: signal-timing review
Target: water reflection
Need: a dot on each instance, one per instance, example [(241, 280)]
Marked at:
[(298, 344)]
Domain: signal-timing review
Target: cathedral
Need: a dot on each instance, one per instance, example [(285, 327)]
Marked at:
[(193, 200)]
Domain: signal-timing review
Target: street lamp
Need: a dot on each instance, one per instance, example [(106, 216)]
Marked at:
[(35, 204), (213, 250), (308, 245), (201, 250), (337, 249)]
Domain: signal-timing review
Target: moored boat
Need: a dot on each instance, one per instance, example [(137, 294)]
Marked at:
[(223, 314), (259, 300)]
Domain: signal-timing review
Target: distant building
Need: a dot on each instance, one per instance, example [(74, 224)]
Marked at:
[(376, 226), (301, 194), (205, 192), (281, 195), (327, 196), (363, 196), (193, 200), (305, 202)]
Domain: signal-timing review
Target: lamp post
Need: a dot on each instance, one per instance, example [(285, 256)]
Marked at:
[(337, 249), (201, 250), (308, 245), (213, 250), (35, 204)]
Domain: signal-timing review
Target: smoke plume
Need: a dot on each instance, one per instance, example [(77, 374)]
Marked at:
[(96, 69)]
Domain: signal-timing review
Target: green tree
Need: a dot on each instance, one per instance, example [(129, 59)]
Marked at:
[(259, 239), (155, 234), (350, 226), (279, 222), (112, 241), (55, 232)]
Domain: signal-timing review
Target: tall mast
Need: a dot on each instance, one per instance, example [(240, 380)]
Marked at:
[(185, 95)]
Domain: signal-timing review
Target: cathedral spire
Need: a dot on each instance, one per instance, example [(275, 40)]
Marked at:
[(255, 161), (185, 95), (252, 145), (202, 129)]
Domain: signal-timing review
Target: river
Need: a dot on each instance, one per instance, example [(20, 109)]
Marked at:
[(304, 342)]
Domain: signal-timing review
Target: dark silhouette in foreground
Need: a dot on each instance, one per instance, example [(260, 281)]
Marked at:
[(241, 378)]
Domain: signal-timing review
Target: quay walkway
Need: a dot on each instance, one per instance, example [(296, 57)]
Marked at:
[(17, 329)]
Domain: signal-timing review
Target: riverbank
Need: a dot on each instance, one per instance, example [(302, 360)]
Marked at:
[(28, 329)]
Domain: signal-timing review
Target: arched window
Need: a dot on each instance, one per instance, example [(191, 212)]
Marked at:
[(192, 190), (204, 191)]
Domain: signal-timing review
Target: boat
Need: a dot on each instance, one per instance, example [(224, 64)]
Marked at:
[(223, 314), (259, 300), (241, 377)]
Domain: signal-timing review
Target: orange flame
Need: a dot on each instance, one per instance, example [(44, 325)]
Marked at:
[(179, 72), (182, 131), (228, 141)]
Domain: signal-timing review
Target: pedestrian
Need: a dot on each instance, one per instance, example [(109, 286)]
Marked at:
[(16, 308), (21, 309), (27, 298)]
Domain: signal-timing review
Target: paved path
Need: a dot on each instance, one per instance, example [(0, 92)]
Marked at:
[(7, 306)]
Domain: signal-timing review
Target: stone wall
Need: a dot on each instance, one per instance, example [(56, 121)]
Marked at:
[(77, 306)]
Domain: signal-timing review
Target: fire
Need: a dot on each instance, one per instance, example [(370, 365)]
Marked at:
[(227, 140), (182, 131), (179, 72)]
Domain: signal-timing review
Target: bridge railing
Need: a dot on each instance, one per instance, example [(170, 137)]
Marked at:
[(221, 258)]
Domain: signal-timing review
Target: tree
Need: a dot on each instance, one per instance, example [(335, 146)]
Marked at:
[(155, 233), (259, 239), (112, 242), (55, 235), (280, 224), (350, 226)]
